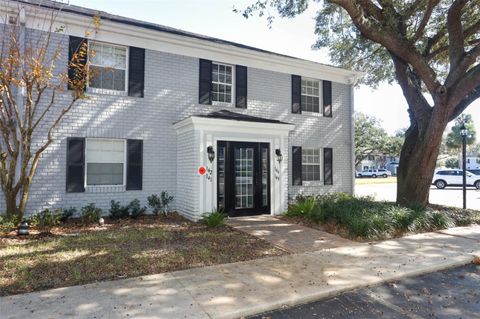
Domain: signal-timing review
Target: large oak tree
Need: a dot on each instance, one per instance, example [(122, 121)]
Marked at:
[(430, 47)]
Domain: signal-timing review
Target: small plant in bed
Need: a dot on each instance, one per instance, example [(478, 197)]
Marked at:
[(160, 203), (118, 211), (46, 220), (91, 213), (364, 218), (214, 219), (136, 210)]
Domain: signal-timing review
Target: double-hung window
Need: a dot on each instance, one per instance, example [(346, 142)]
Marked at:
[(310, 164), (108, 67), (105, 162), (310, 95), (222, 83)]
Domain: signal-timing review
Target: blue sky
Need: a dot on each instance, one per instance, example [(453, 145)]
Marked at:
[(288, 36)]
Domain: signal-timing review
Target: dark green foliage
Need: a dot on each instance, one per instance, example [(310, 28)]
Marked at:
[(118, 211), (159, 203), (68, 213), (155, 203), (46, 220), (214, 219), (371, 138), (7, 223), (454, 139), (91, 214), (452, 162), (363, 217), (136, 210)]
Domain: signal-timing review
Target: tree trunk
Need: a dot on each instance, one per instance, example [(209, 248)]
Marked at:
[(418, 159), (11, 205)]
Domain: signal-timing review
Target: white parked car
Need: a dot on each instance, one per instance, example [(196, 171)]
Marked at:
[(454, 177), (374, 173)]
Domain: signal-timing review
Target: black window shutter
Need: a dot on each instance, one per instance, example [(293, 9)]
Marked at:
[(205, 82), (296, 94), (328, 166), (327, 98), (75, 165), (74, 45), (241, 86), (134, 164), (136, 72), (296, 165)]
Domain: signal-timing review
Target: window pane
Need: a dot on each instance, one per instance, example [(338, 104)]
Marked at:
[(95, 76), (107, 79), (105, 151), (104, 174), (108, 67), (119, 80)]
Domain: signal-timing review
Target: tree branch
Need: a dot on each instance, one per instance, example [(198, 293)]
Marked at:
[(466, 91), (455, 33), (390, 39), (426, 17)]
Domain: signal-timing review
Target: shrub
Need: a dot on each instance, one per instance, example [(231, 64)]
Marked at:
[(46, 220), (135, 208), (155, 203), (303, 207), (159, 203), (91, 214), (364, 217), (118, 211), (68, 213), (166, 201), (7, 224), (214, 219)]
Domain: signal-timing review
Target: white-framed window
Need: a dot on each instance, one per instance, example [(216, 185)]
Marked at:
[(222, 83), (108, 66), (105, 161), (310, 164), (310, 95)]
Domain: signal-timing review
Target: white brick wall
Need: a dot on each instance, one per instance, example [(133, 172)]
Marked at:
[(171, 94)]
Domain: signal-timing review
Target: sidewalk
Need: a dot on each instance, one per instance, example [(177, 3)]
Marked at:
[(290, 237), (235, 290)]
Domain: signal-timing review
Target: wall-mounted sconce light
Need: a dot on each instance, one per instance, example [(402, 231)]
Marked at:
[(279, 155), (211, 153)]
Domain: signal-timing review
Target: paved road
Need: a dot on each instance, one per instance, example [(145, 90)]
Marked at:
[(450, 196), (453, 293)]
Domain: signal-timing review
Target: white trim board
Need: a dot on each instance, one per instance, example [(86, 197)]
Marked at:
[(124, 34)]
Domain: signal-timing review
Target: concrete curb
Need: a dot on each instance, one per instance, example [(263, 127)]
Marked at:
[(298, 300)]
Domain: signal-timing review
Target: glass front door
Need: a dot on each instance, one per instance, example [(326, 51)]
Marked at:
[(243, 178)]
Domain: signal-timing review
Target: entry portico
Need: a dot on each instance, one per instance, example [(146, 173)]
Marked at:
[(249, 172)]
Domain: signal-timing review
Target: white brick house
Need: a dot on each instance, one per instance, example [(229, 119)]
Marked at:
[(275, 126)]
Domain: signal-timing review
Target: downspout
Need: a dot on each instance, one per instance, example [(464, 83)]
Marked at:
[(352, 81)]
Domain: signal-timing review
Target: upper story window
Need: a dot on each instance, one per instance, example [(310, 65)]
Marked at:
[(310, 95), (222, 83), (105, 162), (108, 67), (310, 164)]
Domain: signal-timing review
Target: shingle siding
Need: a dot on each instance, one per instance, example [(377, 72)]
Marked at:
[(171, 94)]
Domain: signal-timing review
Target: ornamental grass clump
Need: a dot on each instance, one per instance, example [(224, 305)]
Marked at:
[(214, 219), (362, 217)]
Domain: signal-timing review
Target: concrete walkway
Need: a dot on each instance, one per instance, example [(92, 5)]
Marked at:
[(290, 237), (239, 289)]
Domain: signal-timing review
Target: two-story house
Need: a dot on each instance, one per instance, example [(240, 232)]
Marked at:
[(213, 122)]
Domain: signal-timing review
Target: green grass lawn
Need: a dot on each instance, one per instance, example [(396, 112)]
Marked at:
[(378, 180), (77, 255)]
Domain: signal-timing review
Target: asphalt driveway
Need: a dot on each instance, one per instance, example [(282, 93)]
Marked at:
[(448, 294), (450, 196)]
